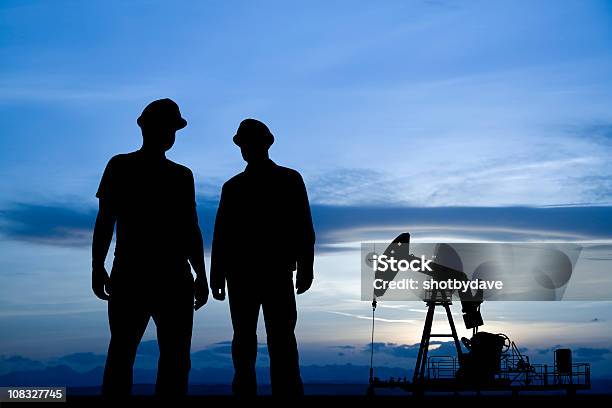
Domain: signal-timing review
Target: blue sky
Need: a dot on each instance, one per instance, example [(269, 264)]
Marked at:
[(455, 120)]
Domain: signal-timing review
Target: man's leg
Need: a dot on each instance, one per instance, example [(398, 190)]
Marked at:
[(244, 308), (173, 316), (128, 320), (280, 315)]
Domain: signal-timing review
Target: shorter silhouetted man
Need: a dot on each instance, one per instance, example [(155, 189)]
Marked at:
[(263, 230), (151, 200)]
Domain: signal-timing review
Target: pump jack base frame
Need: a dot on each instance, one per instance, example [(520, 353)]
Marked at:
[(454, 386), (422, 383)]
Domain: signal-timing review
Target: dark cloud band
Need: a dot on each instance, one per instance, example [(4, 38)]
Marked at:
[(66, 224)]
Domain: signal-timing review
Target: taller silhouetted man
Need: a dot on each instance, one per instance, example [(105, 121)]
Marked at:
[(151, 200), (263, 231)]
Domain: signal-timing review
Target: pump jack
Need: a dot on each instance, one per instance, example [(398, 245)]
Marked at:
[(493, 361)]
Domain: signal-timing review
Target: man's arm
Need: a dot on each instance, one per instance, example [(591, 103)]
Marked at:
[(102, 237), (196, 253), (306, 240), (218, 261)]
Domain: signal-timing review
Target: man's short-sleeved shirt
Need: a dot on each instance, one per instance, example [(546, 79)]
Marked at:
[(153, 200)]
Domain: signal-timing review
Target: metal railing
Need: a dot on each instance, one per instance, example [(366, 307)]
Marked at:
[(442, 367), (515, 371)]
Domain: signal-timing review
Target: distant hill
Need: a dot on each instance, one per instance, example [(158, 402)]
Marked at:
[(63, 375), (330, 379)]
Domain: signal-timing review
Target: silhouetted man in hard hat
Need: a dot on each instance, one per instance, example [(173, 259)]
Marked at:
[(151, 200), (263, 230)]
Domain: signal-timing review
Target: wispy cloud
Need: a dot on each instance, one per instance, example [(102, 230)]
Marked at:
[(378, 319), (410, 350), (73, 89)]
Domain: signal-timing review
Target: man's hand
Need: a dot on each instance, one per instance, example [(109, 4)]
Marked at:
[(219, 293), (303, 281), (100, 282), (200, 292)]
